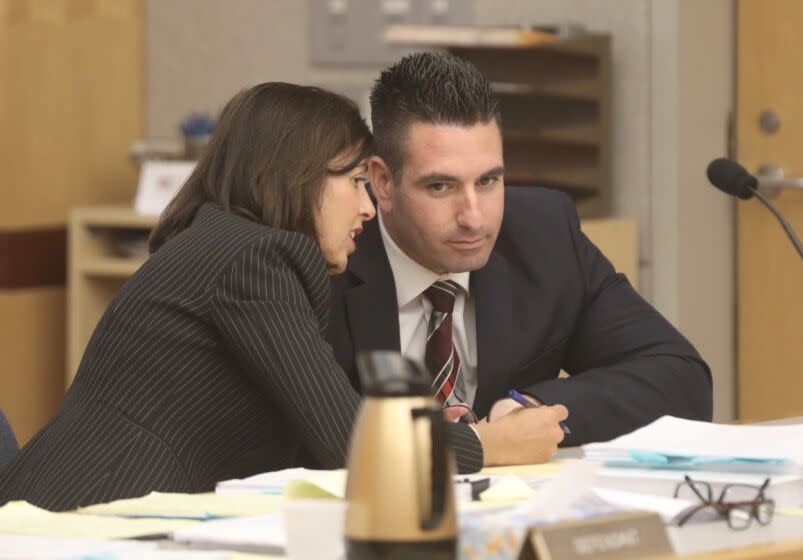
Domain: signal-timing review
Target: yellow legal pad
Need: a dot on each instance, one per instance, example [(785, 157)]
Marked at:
[(198, 506), (21, 518)]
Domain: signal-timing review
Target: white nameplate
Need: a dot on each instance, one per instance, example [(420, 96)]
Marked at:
[(613, 537), (159, 181)]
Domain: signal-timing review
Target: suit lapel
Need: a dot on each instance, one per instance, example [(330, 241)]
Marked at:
[(493, 297), (373, 314)]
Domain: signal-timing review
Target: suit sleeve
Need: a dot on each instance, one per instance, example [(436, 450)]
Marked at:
[(263, 311), (628, 364)]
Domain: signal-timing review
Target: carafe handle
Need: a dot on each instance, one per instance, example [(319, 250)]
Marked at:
[(438, 462)]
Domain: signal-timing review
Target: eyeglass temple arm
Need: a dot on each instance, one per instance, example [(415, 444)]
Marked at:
[(690, 513), (691, 484)]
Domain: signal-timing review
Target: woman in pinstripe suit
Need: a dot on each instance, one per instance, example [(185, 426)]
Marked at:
[(210, 363)]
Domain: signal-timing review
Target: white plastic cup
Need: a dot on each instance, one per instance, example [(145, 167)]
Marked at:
[(314, 529)]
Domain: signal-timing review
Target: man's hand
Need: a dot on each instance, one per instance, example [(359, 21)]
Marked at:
[(523, 436), (506, 406)]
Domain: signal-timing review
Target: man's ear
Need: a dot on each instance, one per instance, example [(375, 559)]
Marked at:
[(381, 183)]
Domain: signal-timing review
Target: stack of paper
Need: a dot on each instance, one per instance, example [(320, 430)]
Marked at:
[(262, 533), (654, 460), (14, 547), (508, 508), (669, 509), (306, 483), (292, 483), (21, 518), (675, 443), (188, 506), (785, 489)]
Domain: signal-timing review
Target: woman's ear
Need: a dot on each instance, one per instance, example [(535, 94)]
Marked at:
[(381, 183)]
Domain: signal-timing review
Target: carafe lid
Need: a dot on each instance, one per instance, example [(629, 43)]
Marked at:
[(385, 373)]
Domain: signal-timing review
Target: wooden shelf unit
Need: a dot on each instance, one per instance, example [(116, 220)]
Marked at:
[(97, 269), (555, 94)]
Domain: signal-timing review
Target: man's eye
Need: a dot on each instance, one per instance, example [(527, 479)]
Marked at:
[(489, 181), (438, 187)]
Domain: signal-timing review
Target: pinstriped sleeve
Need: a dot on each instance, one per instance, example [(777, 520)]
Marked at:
[(264, 308)]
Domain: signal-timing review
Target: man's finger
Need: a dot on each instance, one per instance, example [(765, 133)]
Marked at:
[(560, 411), (452, 413)]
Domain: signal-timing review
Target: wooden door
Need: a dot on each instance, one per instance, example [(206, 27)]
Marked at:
[(770, 273)]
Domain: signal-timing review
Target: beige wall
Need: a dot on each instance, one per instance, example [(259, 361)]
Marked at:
[(672, 64), (706, 222), (693, 224), (201, 52)]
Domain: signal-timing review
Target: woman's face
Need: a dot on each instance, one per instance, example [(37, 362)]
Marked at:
[(345, 205)]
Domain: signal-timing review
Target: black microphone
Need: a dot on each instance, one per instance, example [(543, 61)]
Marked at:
[(733, 179)]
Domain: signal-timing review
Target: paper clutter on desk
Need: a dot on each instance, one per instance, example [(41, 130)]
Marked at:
[(188, 506), (680, 444), (785, 489), (559, 493), (49, 548), (290, 483), (259, 533), (507, 490), (22, 518), (500, 534), (303, 530)]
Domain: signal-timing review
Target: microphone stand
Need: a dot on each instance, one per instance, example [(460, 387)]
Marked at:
[(788, 228)]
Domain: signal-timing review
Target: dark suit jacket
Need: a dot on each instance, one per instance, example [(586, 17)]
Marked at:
[(8, 443), (547, 299), (209, 364)]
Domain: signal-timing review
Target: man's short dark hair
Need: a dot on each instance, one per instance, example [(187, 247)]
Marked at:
[(427, 87)]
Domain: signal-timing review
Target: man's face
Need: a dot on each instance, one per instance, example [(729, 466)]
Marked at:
[(446, 211)]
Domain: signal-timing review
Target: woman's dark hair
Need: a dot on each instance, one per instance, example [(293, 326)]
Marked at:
[(269, 156)]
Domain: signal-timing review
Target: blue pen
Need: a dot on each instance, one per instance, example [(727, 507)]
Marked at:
[(527, 403)]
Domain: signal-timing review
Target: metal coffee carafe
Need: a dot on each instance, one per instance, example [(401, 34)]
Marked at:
[(400, 495)]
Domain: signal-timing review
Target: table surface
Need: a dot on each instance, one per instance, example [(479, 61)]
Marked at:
[(780, 540), (701, 539)]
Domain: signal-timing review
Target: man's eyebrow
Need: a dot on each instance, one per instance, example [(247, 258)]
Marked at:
[(499, 170), (436, 178), (444, 178)]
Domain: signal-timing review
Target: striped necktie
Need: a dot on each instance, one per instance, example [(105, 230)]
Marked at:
[(441, 357)]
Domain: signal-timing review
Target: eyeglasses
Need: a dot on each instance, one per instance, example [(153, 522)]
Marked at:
[(739, 504)]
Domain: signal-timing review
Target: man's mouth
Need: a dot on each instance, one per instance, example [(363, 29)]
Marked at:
[(472, 243)]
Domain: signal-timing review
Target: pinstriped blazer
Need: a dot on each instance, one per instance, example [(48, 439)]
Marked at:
[(209, 364)]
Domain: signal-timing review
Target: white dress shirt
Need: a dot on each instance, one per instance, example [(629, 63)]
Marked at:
[(414, 311)]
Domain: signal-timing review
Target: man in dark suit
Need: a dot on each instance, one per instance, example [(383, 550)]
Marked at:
[(527, 294)]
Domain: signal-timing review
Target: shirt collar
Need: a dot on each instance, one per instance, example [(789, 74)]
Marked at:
[(410, 277)]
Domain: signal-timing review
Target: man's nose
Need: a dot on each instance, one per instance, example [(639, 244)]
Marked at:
[(469, 215)]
